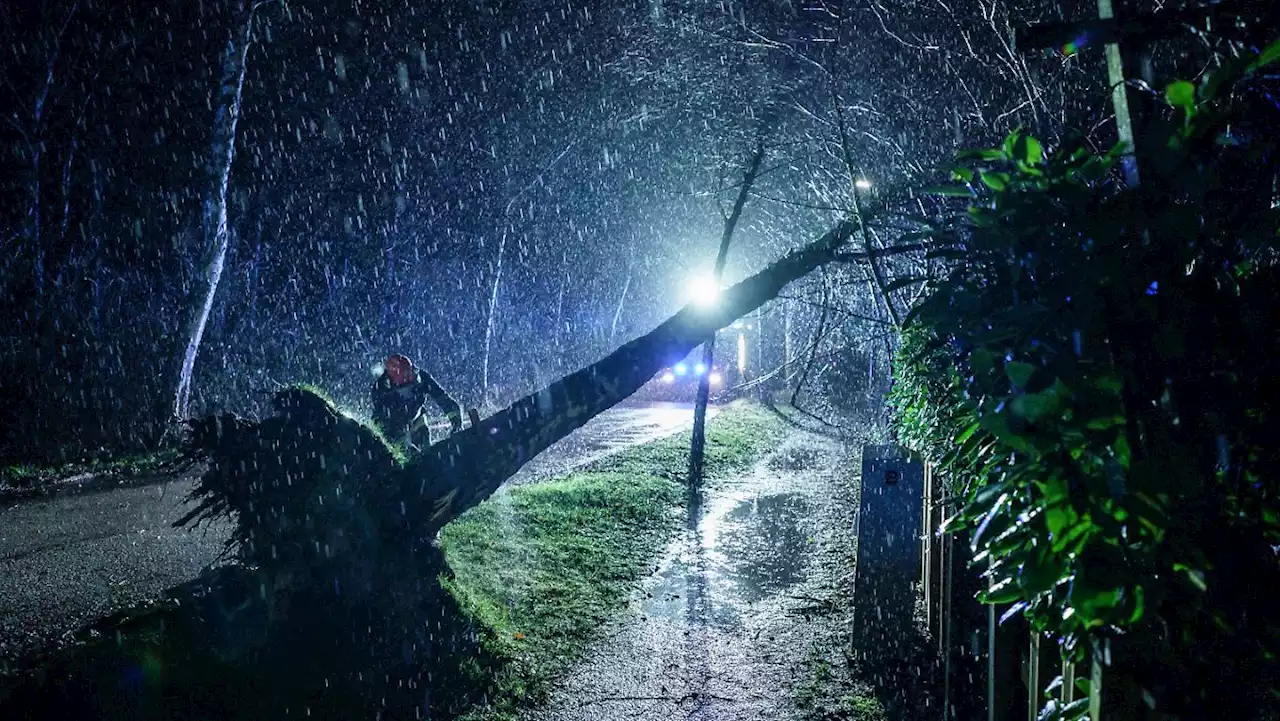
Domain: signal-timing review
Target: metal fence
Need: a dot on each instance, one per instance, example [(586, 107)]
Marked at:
[(992, 666)]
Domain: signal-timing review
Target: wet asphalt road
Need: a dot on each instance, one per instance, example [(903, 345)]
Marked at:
[(621, 427), (70, 559)]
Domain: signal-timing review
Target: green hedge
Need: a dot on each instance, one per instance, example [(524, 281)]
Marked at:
[(1098, 369)]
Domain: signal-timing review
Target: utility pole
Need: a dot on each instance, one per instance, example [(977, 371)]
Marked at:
[(1126, 38)]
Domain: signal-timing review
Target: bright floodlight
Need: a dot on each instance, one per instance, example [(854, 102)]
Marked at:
[(716, 378), (862, 184), (703, 291), (668, 377), (681, 369), (700, 369)]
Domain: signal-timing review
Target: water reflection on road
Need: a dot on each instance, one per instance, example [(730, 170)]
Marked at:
[(748, 547)]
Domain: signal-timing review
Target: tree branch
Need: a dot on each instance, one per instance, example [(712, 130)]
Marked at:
[(867, 242)]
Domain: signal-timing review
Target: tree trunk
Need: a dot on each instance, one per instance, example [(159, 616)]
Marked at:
[(493, 309), (817, 338), (320, 502), (697, 445), (464, 469), (214, 208), (698, 441), (36, 144)]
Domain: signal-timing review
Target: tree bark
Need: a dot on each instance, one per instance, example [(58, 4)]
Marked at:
[(698, 443), (214, 208), (817, 339)]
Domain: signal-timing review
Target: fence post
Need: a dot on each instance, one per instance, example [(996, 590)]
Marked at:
[(1068, 682), (1003, 667), (1095, 684), (926, 547), (946, 618), (1033, 677)]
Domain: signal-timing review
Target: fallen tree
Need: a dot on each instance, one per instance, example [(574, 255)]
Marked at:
[(337, 597), (331, 517), (418, 497)]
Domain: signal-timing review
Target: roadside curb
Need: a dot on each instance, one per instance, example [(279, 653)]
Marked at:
[(88, 482)]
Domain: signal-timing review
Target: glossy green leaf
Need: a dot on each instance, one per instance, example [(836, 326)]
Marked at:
[(1181, 94), (967, 433), (1028, 150), (995, 181), (1001, 593), (990, 155), (952, 191), (1269, 55), (1036, 406), (1020, 373)]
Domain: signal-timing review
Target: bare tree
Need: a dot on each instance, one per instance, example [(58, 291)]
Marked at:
[(698, 444), (213, 216), (30, 125), (622, 299), (502, 248)]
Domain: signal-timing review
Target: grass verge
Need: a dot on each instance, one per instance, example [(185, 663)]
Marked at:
[(542, 568), (24, 480)]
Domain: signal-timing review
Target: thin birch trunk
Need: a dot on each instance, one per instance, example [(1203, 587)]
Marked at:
[(617, 314), (493, 308), (214, 209)]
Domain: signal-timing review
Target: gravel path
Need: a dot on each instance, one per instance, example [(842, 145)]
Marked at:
[(723, 628)]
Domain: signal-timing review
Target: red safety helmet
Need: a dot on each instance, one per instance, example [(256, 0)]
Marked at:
[(399, 369)]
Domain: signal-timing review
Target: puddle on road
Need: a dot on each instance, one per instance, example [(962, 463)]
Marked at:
[(752, 547), (764, 544)]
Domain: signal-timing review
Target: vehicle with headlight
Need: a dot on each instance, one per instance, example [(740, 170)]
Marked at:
[(679, 381)]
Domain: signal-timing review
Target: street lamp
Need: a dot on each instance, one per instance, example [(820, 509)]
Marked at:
[(703, 291), (862, 184)]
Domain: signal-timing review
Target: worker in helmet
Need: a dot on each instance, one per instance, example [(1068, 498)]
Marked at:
[(400, 391)]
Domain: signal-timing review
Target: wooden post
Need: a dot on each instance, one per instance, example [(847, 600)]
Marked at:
[(926, 547), (1068, 682), (1033, 677), (1124, 37), (1116, 80), (1004, 657), (948, 623), (1095, 685)]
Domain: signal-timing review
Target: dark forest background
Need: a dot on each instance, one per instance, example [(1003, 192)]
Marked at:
[(385, 148)]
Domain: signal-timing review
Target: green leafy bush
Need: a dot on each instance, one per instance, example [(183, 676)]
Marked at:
[(1098, 369)]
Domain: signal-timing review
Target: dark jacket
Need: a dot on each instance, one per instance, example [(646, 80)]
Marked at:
[(395, 408)]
